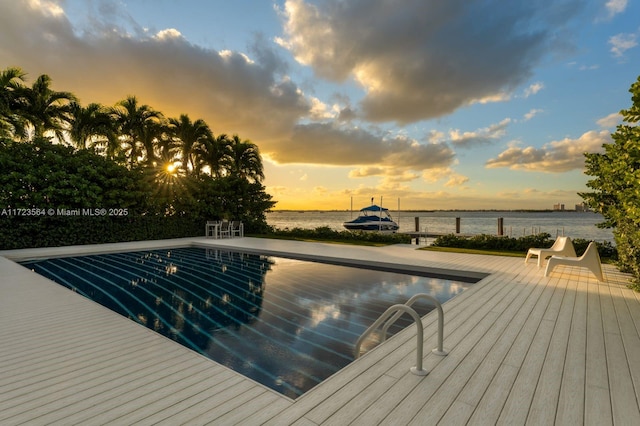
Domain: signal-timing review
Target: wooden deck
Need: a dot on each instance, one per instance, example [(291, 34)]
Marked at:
[(523, 349)]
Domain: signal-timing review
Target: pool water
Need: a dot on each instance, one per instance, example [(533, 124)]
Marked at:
[(287, 324)]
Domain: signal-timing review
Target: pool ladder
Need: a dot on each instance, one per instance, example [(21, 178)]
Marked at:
[(397, 311)]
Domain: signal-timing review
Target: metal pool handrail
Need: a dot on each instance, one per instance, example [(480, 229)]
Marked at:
[(439, 350), (417, 370), (397, 311)]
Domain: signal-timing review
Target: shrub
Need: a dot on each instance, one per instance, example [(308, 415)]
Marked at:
[(45, 231), (328, 234), (39, 176), (521, 244), (616, 186)]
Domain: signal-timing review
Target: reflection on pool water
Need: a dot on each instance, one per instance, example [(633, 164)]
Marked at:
[(285, 323)]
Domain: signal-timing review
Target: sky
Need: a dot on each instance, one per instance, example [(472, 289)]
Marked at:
[(430, 104)]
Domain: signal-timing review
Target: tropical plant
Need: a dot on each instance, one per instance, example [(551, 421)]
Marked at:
[(214, 154), (152, 136), (616, 186), (166, 174), (59, 177), (245, 161), (190, 136), (11, 84), (137, 126), (46, 110), (91, 126), (124, 157), (230, 197)]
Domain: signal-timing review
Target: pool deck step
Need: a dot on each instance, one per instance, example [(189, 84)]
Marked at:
[(523, 349)]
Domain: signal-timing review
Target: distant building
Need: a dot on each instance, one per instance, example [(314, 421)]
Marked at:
[(582, 207), (558, 207)]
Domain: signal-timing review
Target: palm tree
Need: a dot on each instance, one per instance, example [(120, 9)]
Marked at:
[(167, 150), (152, 135), (132, 121), (215, 153), (45, 109), (91, 125), (11, 83), (166, 153), (245, 160), (191, 137)]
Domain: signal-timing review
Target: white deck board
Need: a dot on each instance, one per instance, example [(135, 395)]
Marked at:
[(572, 391), (524, 348)]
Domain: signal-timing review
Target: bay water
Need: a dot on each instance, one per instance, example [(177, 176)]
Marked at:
[(515, 223)]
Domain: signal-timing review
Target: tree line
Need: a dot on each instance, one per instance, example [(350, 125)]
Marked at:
[(129, 132), (56, 152)]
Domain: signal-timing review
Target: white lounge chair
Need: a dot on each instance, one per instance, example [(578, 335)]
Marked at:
[(562, 247), (590, 259)]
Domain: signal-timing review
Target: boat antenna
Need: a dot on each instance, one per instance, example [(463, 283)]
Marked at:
[(352, 207)]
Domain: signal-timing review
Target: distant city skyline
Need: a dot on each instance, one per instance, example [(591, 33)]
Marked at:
[(445, 105)]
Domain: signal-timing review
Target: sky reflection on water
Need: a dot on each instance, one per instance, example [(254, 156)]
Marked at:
[(285, 323)]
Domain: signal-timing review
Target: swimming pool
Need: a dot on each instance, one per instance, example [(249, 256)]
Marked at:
[(285, 323)]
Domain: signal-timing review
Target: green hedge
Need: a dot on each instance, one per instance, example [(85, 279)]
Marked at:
[(521, 244), (45, 231), (328, 234)]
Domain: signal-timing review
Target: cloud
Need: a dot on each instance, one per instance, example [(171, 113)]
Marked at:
[(611, 120), (620, 43), (346, 114), (537, 195), (533, 89), (452, 178), (391, 175), (532, 113), (169, 34), (554, 157), (588, 67), (320, 190), (456, 180), (278, 190), (615, 7), (245, 93), (113, 57), (320, 110), (328, 143), (367, 172), (484, 136), (420, 59)]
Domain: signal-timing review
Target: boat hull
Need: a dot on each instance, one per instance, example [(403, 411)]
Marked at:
[(371, 225)]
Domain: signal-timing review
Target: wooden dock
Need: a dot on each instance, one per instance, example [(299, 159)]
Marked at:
[(523, 349)]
